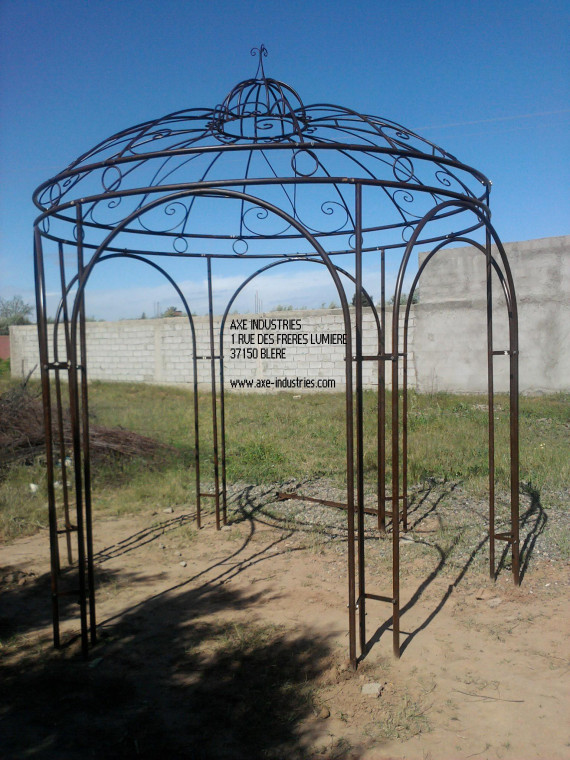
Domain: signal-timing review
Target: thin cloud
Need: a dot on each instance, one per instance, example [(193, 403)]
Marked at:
[(496, 119)]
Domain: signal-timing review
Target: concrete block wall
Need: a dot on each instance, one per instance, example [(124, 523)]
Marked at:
[(447, 335), (451, 328), (259, 353)]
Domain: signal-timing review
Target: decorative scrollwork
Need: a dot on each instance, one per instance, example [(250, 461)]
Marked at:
[(405, 196), (352, 241), (98, 212), (329, 208), (240, 247), (294, 156), (443, 177), (180, 244), (261, 51), (261, 215), (109, 182), (54, 194), (76, 233), (311, 170), (176, 209), (403, 169), (447, 178)]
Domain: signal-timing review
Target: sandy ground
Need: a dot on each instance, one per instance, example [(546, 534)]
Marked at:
[(233, 644)]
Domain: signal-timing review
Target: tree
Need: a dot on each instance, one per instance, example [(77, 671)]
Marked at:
[(404, 298), (365, 300), (172, 311), (14, 311)]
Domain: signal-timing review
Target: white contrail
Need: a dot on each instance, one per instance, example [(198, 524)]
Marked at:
[(495, 119)]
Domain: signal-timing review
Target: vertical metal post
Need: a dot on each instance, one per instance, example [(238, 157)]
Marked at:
[(349, 413), (85, 434), (196, 434), (514, 433), (62, 456), (404, 427), (359, 419), (382, 399), (395, 484), (214, 402), (44, 373), (491, 405), (77, 461), (223, 431)]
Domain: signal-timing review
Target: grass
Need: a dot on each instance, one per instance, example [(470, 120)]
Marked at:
[(271, 438)]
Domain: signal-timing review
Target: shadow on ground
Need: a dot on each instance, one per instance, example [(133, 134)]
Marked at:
[(173, 677)]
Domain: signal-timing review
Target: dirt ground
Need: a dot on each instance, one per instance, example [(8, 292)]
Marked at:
[(233, 644)]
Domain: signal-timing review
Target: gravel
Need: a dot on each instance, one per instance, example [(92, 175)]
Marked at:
[(443, 518)]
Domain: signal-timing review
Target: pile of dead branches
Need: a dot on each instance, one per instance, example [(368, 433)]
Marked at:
[(21, 425), (22, 435)]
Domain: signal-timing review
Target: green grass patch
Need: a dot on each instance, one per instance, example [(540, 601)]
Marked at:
[(271, 438)]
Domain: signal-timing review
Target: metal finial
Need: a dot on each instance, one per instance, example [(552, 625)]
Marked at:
[(262, 52)]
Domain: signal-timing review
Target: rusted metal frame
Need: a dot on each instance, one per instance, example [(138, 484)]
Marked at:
[(62, 309), (514, 444), (404, 427), (80, 436), (395, 480), (513, 348), (62, 456), (436, 249), (213, 392), (41, 315), (85, 437), (223, 419), (393, 153), (285, 495), (513, 404), (348, 358), (348, 406), (56, 211), (359, 420), (75, 419), (310, 259), (98, 255), (265, 256), (490, 403), (381, 464)]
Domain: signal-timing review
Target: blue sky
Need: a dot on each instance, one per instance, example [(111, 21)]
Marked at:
[(488, 81)]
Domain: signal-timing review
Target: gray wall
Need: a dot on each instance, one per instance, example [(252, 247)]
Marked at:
[(160, 351), (451, 329), (447, 342)]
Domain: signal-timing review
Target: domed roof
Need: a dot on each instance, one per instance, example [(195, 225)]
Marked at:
[(261, 140)]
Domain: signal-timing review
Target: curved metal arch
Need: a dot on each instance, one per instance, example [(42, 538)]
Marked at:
[(84, 277), (62, 308), (222, 327), (382, 150), (511, 537), (337, 181), (198, 254), (409, 303), (79, 171), (291, 260)]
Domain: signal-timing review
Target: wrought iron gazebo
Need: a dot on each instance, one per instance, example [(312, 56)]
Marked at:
[(264, 176)]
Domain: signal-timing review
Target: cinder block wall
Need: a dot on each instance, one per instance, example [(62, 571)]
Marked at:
[(160, 351), (451, 328), (447, 336)]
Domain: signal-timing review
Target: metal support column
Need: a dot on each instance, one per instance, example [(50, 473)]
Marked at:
[(213, 391), (359, 421), (382, 400)]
